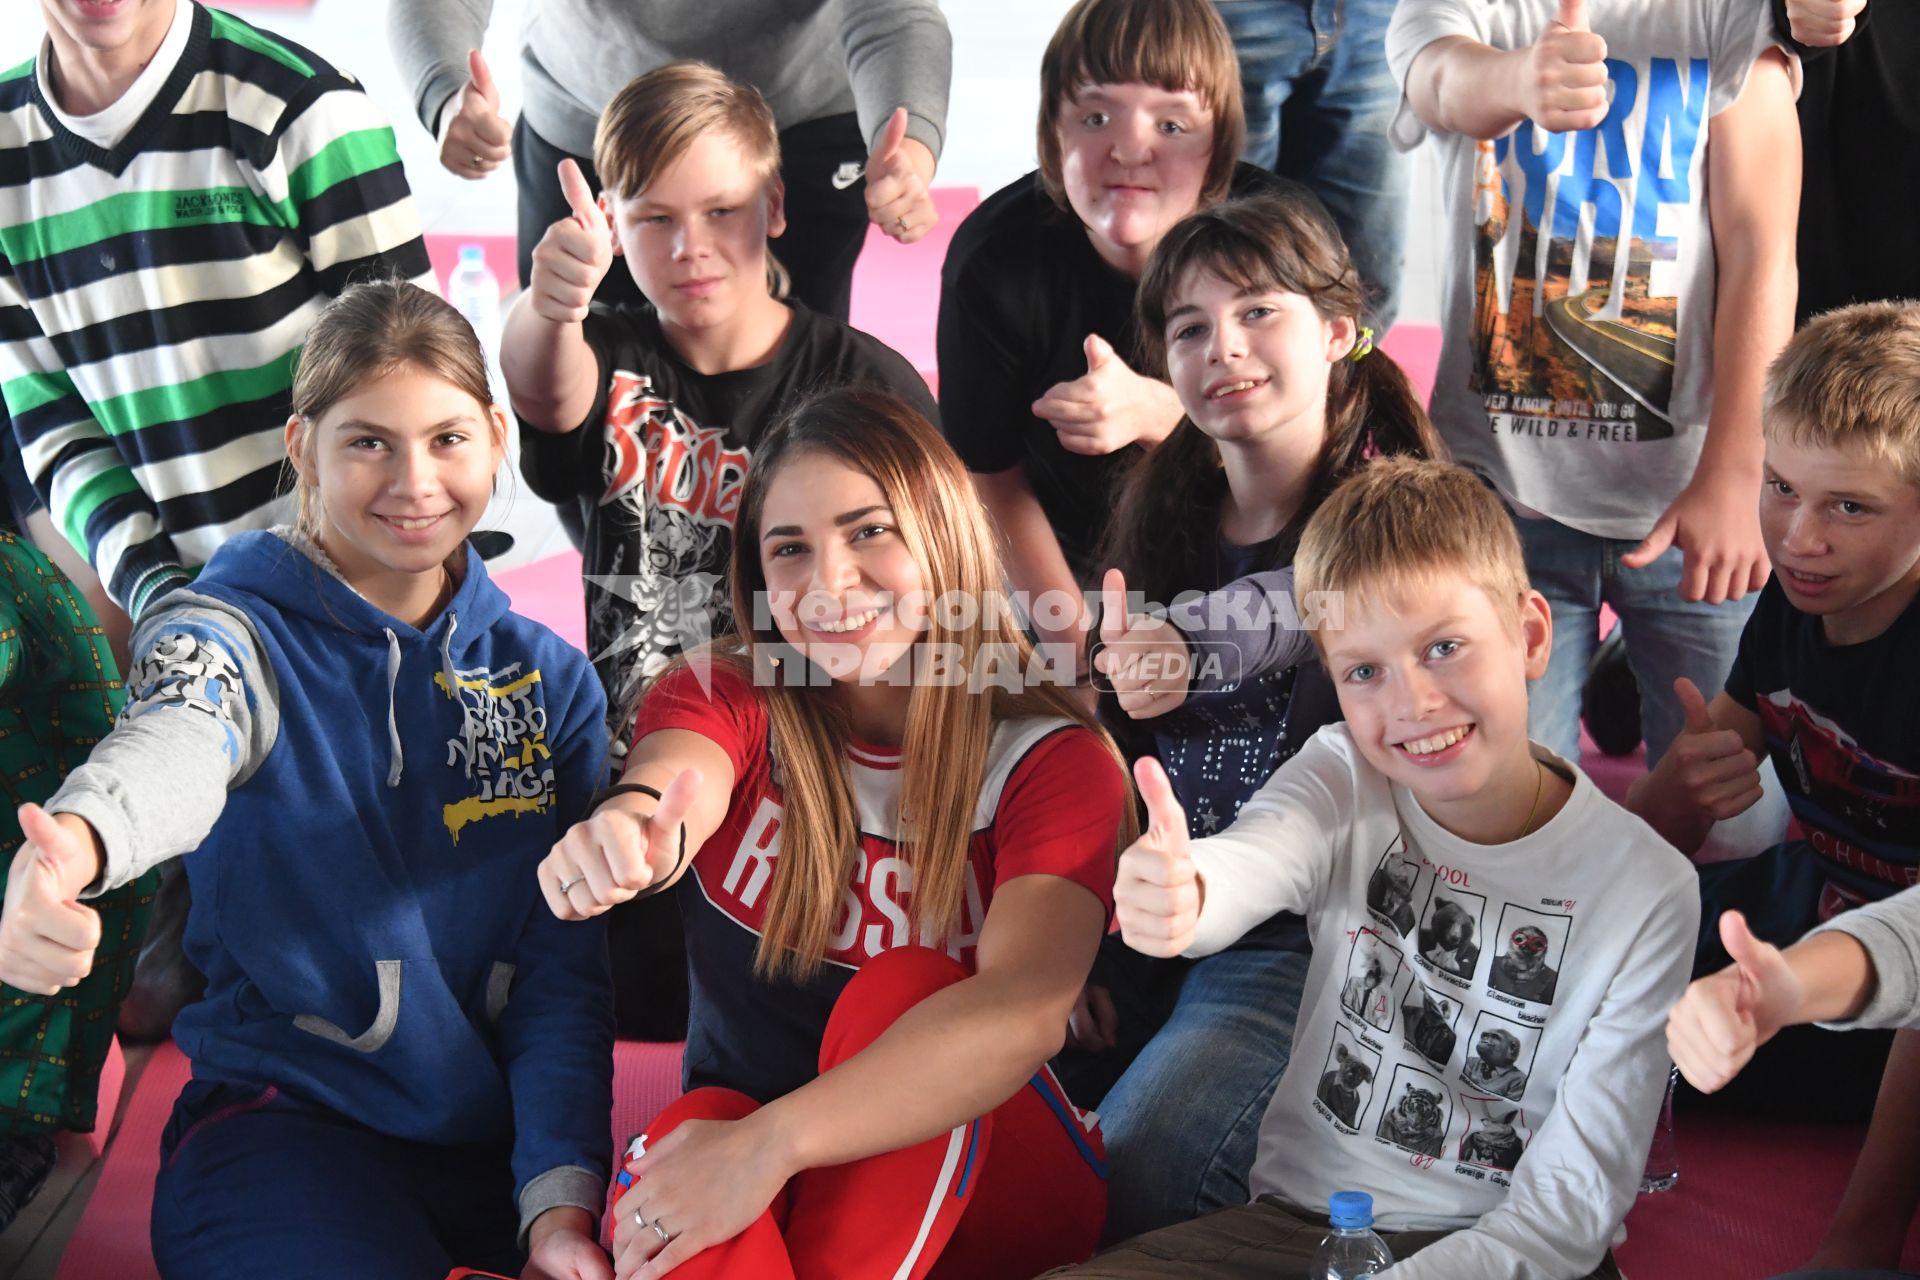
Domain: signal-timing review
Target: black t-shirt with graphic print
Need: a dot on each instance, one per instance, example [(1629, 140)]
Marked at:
[(1838, 722), (659, 463)]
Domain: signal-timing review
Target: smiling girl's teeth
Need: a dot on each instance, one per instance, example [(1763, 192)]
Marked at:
[(853, 623), (1231, 389), (419, 523), (1438, 742)]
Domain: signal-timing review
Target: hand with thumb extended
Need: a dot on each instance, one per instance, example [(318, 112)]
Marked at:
[(900, 183), (474, 139), (1711, 767), (47, 938), (1099, 352), (627, 845), (1723, 1018), (1145, 661), (1564, 75), (1157, 893), (574, 256)]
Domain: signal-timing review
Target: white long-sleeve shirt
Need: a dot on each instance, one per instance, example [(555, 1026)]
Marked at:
[(1502, 1076)]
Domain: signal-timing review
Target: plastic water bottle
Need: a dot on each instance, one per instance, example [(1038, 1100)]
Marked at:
[(1351, 1249), (474, 292)]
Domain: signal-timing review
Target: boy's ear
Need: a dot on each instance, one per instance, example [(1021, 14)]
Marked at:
[(613, 228), (776, 206), (1536, 633)]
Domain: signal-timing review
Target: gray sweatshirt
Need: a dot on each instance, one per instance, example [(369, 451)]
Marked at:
[(809, 58), (1890, 931)]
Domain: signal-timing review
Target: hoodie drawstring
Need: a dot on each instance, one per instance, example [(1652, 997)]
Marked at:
[(395, 761)]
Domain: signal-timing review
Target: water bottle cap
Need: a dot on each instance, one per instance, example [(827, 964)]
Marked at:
[(473, 253), (1350, 1209)]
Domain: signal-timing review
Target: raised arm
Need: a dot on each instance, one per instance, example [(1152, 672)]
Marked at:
[(1458, 85), (544, 354)]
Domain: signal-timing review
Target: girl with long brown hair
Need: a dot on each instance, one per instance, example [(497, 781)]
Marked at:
[(1253, 311), (894, 856)]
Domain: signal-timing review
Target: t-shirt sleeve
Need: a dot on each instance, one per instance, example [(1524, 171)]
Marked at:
[(709, 698), (1415, 25), (1060, 814), (1740, 33), (1278, 855), (878, 365), (986, 402), (560, 466)]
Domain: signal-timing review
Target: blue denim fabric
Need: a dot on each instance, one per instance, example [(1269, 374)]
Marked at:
[(1182, 1123), (1666, 636), (1319, 98)]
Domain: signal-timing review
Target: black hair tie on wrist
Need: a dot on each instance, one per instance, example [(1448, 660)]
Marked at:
[(605, 794)]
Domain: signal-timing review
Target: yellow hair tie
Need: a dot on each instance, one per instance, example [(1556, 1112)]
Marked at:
[(1363, 345)]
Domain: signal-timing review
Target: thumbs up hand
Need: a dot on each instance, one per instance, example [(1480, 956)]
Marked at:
[(573, 257), (1711, 767), (1564, 82), (618, 850), (1146, 660), (1714, 1029), (899, 183), (47, 939), (1821, 23), (1158, 891), (473, 137), (1110, 407)]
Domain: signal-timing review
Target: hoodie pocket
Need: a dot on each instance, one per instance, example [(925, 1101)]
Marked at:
[(384, 1021)]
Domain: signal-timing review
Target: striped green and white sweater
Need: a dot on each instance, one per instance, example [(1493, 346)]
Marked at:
[(153, 297)]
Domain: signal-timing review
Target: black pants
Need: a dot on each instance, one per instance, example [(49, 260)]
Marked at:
[(825, 227)]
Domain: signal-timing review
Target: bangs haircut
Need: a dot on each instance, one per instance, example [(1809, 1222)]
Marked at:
[(1850, 380), (1392, 530), (1277, 242), (651, 123), (1176, 45)]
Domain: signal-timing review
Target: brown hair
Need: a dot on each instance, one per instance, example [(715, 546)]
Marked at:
[(1850, 379), (370, 330), (1176, 45), (1394, 524), (1165, 530), (657, 116), (949, 727)]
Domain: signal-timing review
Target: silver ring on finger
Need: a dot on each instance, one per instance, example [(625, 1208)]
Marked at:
[(900, 224), (565, 887), (660, 1231), (640, 1220)]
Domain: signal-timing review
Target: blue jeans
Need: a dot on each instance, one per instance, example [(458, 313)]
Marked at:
[(1666, 637), (1319, 99), (253, 1183), (1182, 1123)]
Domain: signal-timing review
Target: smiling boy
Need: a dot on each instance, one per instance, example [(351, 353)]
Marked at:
[(1823, 680), (1542, 1150)]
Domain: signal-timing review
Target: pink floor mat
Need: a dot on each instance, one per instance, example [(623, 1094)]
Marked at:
[(110, 1242)]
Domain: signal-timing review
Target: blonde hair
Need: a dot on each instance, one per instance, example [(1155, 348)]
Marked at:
[(1397, 523), (657, 116), (1850, 380), (949, 728), (369, 331), (1176, 45)]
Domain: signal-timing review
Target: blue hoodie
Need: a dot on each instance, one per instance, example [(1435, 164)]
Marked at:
[(366, 908)]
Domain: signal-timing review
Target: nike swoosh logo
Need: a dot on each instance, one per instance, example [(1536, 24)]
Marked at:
[(848, 174)]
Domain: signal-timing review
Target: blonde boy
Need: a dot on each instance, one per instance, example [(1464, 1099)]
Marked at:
[(1510, 850), (650, 414), (1823, 682)]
